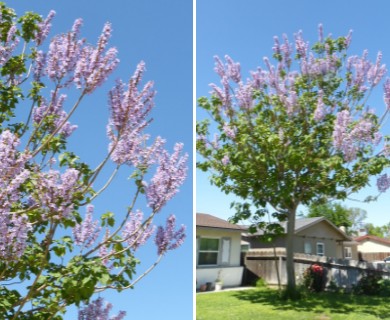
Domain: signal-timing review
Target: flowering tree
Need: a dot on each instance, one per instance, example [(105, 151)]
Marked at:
[(297, 132), (52, 255)]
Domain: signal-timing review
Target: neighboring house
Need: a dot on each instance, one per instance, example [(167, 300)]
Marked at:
[(218, 251), (316, 236), (373, 248)]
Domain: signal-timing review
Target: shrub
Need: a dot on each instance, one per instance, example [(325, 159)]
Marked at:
[(369, 284), (313, 278), (260, 283)]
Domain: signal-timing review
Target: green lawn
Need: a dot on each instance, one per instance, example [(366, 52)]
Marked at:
[(265, 304)]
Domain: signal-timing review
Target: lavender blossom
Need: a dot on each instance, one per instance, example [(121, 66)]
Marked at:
[(103, 250), (320, 33), (233, 69), (44, 28), (130, 108), (98, 310), (300, 45), (9, 46), (244, 96), (54, 192), (286, 49), (14, 230), (386, 94), (229, 131), (94, 65), (136, 232), (169, 239), (383, 183), (225, 160), (86, 233), (63, 55), (341, 139), (320, 111), (39, 65), (54, 110), (169, 176)]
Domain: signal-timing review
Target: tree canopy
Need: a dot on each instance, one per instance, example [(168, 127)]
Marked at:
[(54, 249), (297, 132)]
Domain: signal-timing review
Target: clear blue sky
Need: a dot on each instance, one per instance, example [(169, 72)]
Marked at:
[(245, 29), (160, 33)]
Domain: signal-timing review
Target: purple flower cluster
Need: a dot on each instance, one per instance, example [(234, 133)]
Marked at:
[(225, 160), (13, 227), (103, 249), (136, 232), (364, 73), (167, 238), (54, 192), (230, 132), (63, 54), (320, 112), (170, 175), (130, 108), (349, 135), (14, 230), (98, 310), (70, 60), (44, 28), (53, 110), (94, 65), (383, 183), (9, 46), (386, 94), (88, 230)]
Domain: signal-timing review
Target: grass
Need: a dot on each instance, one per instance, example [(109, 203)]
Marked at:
[(265, 304)]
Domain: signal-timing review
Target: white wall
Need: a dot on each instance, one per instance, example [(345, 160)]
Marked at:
[(231, 276), (370, 246)]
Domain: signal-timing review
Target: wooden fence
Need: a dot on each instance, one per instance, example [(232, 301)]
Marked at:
[(266, 263)]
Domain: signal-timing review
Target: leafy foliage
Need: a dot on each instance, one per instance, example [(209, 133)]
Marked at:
[(51, 255)]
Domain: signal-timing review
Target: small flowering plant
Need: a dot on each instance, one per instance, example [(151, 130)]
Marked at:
[(313, 278), (45, 237)]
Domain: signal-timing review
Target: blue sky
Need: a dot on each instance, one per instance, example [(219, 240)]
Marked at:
[(160, 33), (245, 29)]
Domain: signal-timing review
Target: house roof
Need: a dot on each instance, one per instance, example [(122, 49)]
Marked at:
[(372, 238), (304, 223), (209, 221)]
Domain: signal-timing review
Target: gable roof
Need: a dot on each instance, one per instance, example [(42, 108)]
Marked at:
[(368, 237), (209, 221), (302, 224)]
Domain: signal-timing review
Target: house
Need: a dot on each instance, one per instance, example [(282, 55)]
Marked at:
[(218, 251), (373, 248), (315, 236)]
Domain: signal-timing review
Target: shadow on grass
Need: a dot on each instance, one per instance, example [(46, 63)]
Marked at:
[(320, 302)]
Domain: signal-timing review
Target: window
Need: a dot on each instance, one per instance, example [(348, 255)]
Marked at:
[(348, 253), (307, 247), (320, 249), (208, 251)]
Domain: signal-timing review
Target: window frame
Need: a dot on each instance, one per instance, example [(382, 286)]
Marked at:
[(348, 252), (320, 244), (208, 251)]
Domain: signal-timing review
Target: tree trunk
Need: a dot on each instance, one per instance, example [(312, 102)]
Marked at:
[(291, 292)]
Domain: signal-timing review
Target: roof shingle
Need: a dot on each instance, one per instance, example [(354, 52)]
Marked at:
[(207, 220)]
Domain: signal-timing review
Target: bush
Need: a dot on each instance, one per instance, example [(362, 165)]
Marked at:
[(373, 284), (313, 278), (260, 283)]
